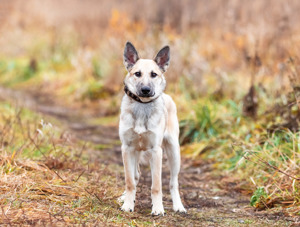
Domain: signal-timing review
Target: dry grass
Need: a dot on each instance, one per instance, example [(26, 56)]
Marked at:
[(46, 176), (55, 180), (219, 50)]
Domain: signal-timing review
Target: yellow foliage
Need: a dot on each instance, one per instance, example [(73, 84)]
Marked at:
[(120, 23), (118, 20), (194, 149), (240, 42), (170, 33)]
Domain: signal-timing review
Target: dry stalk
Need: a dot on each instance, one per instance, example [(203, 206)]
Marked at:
[(294, 77), (268, 165), (263, 163)]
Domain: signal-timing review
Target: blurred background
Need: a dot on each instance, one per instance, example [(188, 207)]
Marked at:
[(234, 75), (212, 42)]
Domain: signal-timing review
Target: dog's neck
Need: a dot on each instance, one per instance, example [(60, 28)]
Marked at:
[(135, 97)]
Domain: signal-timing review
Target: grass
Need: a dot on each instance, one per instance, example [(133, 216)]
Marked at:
[(274, 164), (209, 127), (257, 151), (47, 176), (211, 71)]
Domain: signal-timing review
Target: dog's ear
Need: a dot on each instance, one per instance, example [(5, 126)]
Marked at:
[(130, 56), (162, 59)]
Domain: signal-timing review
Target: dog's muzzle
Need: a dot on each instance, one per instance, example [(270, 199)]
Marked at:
[(146, 92)]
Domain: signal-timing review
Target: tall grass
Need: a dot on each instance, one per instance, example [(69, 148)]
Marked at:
[(273, 164), (262, 152)]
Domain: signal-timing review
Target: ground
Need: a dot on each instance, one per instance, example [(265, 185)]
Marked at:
[(209, 199)]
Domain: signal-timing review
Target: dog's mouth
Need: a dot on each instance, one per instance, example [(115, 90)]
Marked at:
[(142, 95)]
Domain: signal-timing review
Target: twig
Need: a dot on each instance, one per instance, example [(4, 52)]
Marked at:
[(81, 150), (58, 175), (93, 195), (265, 204), (275, 168), (32, 140), (80, 175), (51, 223), (294, 80), (269, 165), (266, 163), (4, 215)]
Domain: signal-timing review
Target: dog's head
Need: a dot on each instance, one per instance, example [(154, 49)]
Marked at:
[(145, 76)]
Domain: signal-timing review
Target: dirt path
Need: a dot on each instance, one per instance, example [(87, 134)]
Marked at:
[(208, 203)]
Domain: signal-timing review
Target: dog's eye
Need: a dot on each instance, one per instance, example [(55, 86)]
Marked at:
[(137, 74), (153, 74)]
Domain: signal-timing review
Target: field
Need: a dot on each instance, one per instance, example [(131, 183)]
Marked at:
[(234, 76)]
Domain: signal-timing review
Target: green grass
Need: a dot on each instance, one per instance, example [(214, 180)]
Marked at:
[(247, 149)]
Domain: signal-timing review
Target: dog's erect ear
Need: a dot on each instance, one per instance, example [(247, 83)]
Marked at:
[(162, 59), (130, 56)]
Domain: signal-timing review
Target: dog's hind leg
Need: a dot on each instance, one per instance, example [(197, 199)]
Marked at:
[(129, 160), (171, 146)]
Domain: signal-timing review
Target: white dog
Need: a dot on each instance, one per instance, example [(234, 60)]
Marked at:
[(148, 125)]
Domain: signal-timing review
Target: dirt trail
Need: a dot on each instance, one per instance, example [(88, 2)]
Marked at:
[(207, 203)]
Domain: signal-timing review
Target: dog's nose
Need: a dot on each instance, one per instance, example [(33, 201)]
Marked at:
[(146, 90)]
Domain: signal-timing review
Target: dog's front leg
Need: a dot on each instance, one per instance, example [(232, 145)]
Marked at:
[(156, 190), (129, 161)]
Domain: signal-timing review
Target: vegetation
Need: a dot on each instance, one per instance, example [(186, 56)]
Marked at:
[(234, 77)]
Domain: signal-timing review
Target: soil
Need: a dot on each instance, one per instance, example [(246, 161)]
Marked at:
[(208, 202)]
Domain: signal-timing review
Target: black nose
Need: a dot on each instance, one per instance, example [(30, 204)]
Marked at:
[(145, 90)]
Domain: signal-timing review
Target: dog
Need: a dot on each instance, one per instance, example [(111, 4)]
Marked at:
[(148, 126)]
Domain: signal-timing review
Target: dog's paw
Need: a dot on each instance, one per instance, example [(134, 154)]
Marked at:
[(158, 210), (127, 207), (179, 208), (177, 204)]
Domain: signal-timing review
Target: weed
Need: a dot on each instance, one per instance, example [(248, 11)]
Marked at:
[(258, 197)]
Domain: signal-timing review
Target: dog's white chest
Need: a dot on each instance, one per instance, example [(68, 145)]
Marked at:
[(140, 126), (144, 116)]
